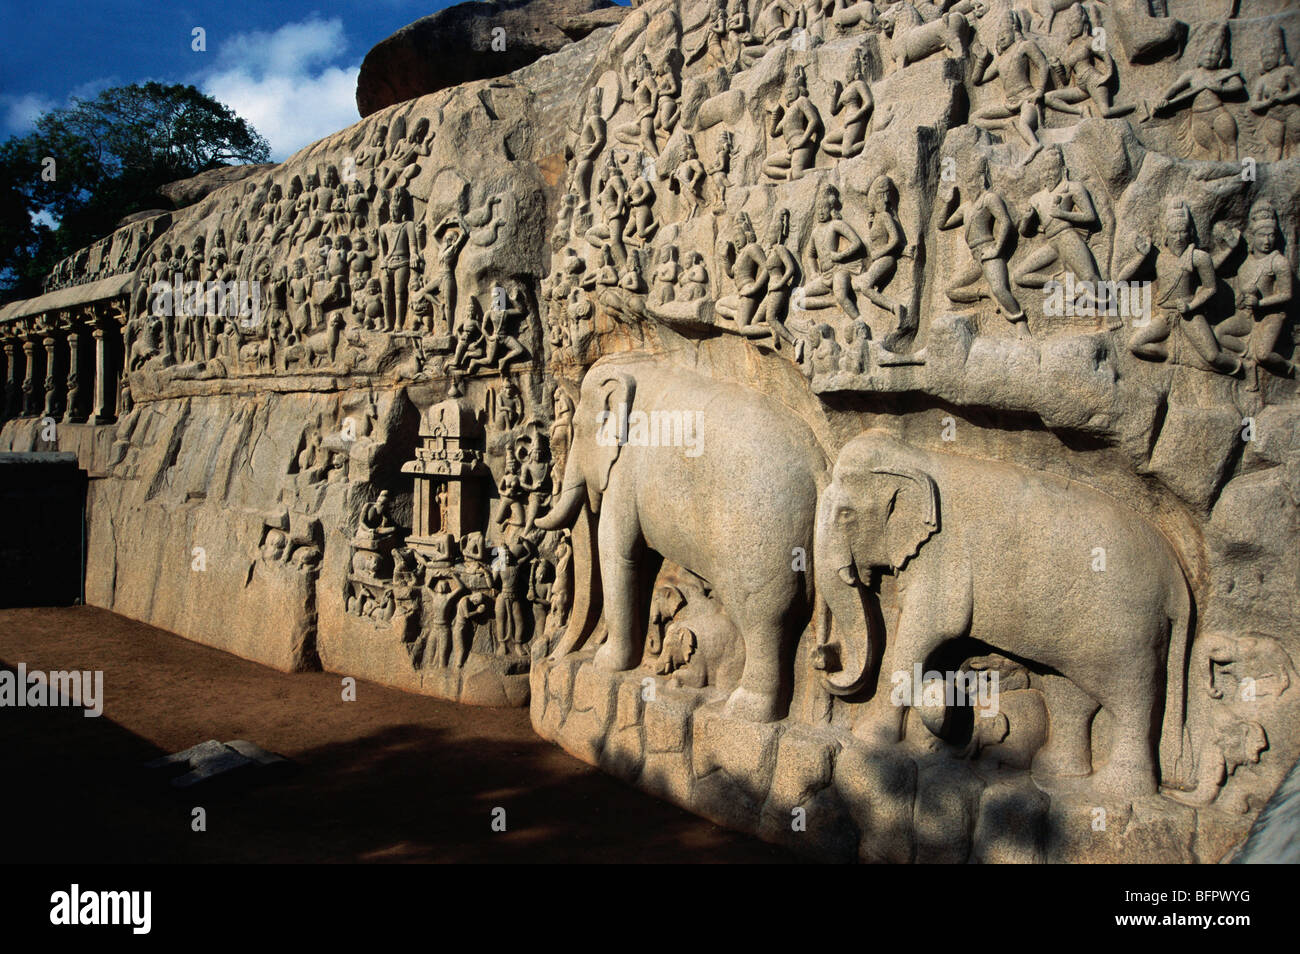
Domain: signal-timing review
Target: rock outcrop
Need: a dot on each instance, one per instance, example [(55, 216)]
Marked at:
[(473, 41)]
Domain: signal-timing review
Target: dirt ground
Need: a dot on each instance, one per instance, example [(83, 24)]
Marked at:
[(390, 777)]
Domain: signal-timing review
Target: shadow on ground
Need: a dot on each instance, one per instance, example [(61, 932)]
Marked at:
[(390, 777)]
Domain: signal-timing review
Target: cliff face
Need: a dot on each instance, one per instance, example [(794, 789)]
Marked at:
[(735, 386)]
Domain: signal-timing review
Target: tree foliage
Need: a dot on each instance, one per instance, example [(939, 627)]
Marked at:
[(111, 153)]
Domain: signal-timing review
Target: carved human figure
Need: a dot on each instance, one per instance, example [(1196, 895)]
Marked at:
[(591, 142), (1062, 211), (744, 262), (837, 251), (663, 287), (445, 241), (988, 233), (690, 177), (500, 346), (782, 275), (511, 578), (1019, 59), (376, 518), (855, 102), (472, 608), (614, 213), (1185, 284), (1265, 286), (667, 91), (397, 248), (1275, 97), (799, 125), (300, 300), (442, 601), (885, 243), (640, 131), (720, 169), (855, 356), (695, 279), (1088, 69), (1211, 131), (641, 225)]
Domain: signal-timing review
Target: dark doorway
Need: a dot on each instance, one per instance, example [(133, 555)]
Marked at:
[(42, 529)]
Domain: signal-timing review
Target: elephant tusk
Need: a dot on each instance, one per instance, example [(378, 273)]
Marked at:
[(849, 575)]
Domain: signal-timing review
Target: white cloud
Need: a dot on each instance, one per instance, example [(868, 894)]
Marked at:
[(284, 83), (21, 112)]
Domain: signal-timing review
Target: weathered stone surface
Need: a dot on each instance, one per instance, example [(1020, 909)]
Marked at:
[(461, 43), (746, 387), (185, 192)]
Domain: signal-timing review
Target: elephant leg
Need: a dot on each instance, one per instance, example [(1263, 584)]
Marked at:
[(756, 698), (886, 716), (1068, 749), (618, 574), (1135, 701)]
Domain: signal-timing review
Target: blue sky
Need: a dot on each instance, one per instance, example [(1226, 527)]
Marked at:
[(288, 67)]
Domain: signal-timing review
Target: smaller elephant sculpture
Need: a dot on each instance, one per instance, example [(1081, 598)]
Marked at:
[(713, 477), (1007, 556)]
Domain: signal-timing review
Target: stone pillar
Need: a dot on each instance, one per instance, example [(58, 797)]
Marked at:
[(13, 382), (77, 375), (31, 401), (105, 378), (52, 377)]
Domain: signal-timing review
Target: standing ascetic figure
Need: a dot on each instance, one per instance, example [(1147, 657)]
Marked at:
[(989, 230), (1185, 283), (1275, 98), (1211, 132), (782, 275), (1062, 211), (591, 142), (799, 125), (397, 246)]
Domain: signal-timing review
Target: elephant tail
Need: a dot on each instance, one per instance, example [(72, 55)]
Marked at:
[(1174, 767)]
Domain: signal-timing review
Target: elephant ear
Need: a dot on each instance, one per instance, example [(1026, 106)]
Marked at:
[(612, 395), (912, 514)]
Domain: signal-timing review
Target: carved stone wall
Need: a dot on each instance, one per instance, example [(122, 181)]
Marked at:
[(869, 425)]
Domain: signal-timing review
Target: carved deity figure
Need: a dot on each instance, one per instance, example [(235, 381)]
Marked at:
[(1017, 62), (837, 251), (720, 169), (989, 230), (1211, 132), (855, 102), (744, 262), (782, 275), (1063, 212), (690, 177), (799, 125), (1275, 97), (645, 95), (885, 244), (1185, 283), (1265, 287), (1089, 71)]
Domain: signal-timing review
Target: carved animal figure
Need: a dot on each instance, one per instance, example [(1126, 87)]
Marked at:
[(730, 508), (1007, 556)]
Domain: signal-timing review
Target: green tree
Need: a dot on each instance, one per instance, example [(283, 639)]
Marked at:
[(110, 154)]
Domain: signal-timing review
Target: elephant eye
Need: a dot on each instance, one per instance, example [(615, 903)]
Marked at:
[(844, 515)]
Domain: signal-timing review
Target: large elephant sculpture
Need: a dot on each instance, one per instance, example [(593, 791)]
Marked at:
[(732, 497), (1039, 568)]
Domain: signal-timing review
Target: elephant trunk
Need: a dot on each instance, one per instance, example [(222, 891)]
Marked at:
[(565, 510), (852, 635)]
